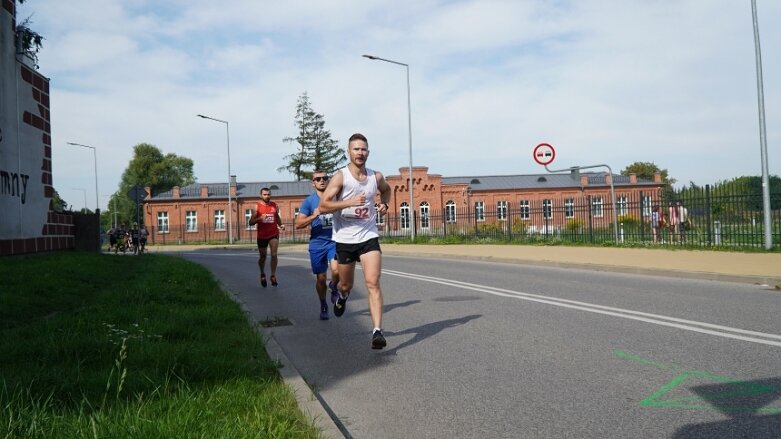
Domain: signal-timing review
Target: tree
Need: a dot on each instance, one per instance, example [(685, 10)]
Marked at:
[(149, 167), (647, 170), (315, 147), (58, 204)]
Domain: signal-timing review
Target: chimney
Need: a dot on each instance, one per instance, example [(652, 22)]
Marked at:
[(176, 193), (204, 191), (233, 186), (608, 178), (584, 180), (657, 177), (632, 178)]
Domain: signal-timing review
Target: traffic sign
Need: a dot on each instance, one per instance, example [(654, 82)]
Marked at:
[(544, 154), (137, 194)]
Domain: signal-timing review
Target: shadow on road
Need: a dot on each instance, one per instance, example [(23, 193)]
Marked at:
[(748, 403), (425, 331)]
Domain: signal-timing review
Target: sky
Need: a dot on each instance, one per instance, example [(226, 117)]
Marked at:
[(606, 82)]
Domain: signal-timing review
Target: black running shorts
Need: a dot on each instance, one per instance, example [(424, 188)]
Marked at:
[(349, 253)]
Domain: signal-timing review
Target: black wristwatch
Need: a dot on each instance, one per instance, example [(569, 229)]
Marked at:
[(386, 205)]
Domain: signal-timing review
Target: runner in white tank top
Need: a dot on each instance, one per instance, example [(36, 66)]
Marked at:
[(350, 196), (356, 224)]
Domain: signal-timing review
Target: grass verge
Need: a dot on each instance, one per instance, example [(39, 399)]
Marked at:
[(97, 345)]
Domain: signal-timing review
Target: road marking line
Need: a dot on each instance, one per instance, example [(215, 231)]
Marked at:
[(673, 322)]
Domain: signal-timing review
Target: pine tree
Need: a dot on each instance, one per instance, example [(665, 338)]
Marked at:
[(315, 147)]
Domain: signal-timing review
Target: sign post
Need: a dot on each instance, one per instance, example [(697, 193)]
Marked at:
[(544, 154)]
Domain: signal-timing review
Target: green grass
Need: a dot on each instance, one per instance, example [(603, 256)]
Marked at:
[(96, 345)]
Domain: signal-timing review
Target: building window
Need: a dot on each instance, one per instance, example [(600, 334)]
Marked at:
[(450, 211), (219, 220), (596, 207), (524, 209), (424, 215), (501, 210), (404, 215), (547, 209), (621, 205), (380, 219), (191, 221), (569, 208), (162, 222), (247, 217), (479, 211), (646, 206)]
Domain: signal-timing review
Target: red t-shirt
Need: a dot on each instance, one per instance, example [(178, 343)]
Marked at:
[(267, 222)]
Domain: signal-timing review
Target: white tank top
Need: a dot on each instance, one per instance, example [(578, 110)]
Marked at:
[(356, 224)]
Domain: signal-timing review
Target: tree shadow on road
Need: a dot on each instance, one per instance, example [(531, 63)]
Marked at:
[(748, 403), (426, 331)]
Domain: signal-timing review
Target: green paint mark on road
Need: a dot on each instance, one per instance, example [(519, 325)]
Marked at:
[(716, 392)]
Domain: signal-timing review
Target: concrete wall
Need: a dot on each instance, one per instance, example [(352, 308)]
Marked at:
[(27, 223)]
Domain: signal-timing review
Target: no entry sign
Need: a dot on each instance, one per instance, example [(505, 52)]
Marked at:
[(544, 154)]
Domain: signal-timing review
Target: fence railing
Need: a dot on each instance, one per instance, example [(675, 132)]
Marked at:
[(715, 219)]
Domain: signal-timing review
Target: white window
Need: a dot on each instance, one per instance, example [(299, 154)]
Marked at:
[(525, 209), (247, 217), (501, 210), (596, 206), (621, 205), (547, 209), (646, 205), (450, 211), (479, 211), (191, 221), (404, 215), (380, 219), (569, 208), (162, 222), (424, 215), (219, 220)]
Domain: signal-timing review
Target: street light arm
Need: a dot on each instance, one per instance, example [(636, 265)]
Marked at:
[(377, 58)]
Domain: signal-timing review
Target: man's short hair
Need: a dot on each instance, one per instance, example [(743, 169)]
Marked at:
[(265, 189), (358, 136)]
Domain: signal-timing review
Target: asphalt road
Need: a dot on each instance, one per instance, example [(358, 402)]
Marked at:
[(496, 350)]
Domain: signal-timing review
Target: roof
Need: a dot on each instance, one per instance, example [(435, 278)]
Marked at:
[(243, 190)]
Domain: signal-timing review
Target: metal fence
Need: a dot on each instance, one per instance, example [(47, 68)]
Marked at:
[(716, 218)]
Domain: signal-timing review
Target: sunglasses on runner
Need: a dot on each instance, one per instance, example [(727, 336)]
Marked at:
[(321, 178)]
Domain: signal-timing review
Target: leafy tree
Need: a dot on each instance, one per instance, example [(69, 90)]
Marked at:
[(647, 170), (149, 167), (58, 204), (315, 148)]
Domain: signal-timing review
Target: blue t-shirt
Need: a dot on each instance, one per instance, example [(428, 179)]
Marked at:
[(322, 226)]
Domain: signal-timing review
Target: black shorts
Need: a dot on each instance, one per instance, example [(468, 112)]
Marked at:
[(263, 243), (349, 253)]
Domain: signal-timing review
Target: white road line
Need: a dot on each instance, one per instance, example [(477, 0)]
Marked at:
[(689, 325)]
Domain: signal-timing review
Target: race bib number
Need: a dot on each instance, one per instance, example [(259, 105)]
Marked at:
[(360, 212), (268, 218), (327, 220)]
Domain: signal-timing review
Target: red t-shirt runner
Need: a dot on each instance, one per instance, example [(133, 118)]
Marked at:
[(267, 220)]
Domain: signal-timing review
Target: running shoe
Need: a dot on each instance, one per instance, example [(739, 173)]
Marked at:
[(334, 291), (263, 280), (324, 312), (340, 306), (378, 340), (273, 281)]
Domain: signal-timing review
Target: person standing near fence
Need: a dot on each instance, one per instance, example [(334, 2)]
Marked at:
[(269, 223), (322, 249), (672, 220), (657, 223), (351, 197), (683, 218)]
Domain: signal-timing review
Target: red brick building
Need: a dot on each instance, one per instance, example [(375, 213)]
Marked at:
[(199, 212)]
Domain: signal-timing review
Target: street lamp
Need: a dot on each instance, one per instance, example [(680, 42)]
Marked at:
[(230, 205), (85, 196), (95, 158), (409, 131), (762, 132), (113, 207)]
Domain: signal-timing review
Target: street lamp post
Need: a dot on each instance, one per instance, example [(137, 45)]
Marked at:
[(95, 159), (409, 131), (230, 204), (762, 132)]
